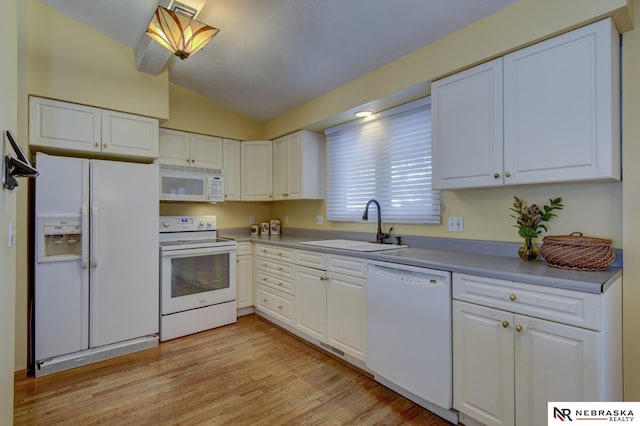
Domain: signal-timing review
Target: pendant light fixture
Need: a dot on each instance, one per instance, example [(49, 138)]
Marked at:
[(179, 33)]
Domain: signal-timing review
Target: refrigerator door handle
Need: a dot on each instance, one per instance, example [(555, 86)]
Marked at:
[(94, 239), (84, 238)]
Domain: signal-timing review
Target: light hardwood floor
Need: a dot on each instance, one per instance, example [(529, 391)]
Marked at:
[(249, 373)]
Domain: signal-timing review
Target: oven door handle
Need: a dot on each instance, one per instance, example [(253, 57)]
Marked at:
[(198, 251)]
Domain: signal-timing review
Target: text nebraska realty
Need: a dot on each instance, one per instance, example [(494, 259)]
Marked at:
[(610, 415)]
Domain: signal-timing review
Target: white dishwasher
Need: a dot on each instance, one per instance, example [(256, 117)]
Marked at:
[(409, 332)]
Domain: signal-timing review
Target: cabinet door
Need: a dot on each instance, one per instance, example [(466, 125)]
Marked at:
[(128, 134), (62, 125), (311, 302), (174, 147), (483, 357), (347, 314), (244, 281), (206, 151), (231, 167), (561, 111), (280, 169), (293, 160), (467, 128), (553, 362), (256, 183)]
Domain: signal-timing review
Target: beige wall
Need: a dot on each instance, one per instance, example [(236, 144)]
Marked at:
[(8, 121), (596, 209), (72, 62), (191, 112)]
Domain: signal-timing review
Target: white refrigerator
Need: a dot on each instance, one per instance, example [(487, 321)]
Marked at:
[(96, 272)]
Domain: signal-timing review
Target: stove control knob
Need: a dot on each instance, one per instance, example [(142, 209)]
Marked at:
[(209, 224), (165, 224), (201, 224)]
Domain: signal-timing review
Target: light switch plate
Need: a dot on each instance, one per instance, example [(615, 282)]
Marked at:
[(319, 219), (456, 224)]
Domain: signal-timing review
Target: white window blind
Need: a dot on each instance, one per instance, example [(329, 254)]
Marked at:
[(387, 158)]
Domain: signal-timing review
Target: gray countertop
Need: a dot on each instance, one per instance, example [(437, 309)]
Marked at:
[(501, 267)]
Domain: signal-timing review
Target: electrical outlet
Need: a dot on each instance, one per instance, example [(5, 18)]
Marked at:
[(252, 220), (456, 224), (319, 219), (286, 219)]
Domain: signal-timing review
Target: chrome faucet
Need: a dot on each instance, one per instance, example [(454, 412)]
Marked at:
[(380, 236)]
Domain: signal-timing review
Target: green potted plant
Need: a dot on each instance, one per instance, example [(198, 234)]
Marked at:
[(530, 221)]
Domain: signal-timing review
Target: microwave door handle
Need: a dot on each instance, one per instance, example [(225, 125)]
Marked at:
[(84, 238), (94, 236)]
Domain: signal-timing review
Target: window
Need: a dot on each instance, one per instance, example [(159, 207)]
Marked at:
[(387, 158)]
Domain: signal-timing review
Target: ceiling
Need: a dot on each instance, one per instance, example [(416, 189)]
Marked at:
[(273, 55)]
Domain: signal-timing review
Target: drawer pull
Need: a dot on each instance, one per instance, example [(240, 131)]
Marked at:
[(264, 279), (496, 175), (512, 297), (279, 284), (280, 307), (264, 300), (279, 269), (519, 328), (505, 324), (264, 264), (280, 254)]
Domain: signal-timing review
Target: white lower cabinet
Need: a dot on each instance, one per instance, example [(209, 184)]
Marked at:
[(274, 282), (311, 302), (507, 366), (244, 275), (330, 306)]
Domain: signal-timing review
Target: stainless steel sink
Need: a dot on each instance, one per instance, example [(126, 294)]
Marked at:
[(353, 245)]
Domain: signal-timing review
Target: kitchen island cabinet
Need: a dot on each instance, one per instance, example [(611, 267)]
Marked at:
[(557, 103), (56, 126), (517, 346)]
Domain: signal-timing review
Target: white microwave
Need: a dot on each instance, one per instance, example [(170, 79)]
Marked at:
[(184, 183)]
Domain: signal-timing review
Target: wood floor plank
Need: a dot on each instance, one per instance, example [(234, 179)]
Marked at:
[(249, 373)]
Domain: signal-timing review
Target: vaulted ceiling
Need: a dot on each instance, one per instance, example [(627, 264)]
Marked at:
[(273, 55)]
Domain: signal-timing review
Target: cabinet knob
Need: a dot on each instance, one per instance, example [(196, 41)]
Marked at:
[(518, 328), (507, 174), (280, 307), (280, 284), (279, 269), (97, 144), (505, 324), (496, 175), (193, 161), (512, 297), (104, 145), (264, 300), (264, 279)]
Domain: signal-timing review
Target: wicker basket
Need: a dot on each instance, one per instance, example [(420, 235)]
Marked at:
[(577, 252)]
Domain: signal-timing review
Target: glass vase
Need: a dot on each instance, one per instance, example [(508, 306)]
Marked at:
[(529, 251)]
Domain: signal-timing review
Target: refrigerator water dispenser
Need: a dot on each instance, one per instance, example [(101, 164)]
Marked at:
[(62, 240)]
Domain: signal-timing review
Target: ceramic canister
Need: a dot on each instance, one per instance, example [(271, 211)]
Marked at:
[(264, 228)]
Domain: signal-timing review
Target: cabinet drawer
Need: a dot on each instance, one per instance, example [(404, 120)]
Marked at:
[(274, 252), (553, 304), (276, 282), (312, 259), (244, 248), (280, 306), (347, 265), (274, 267)]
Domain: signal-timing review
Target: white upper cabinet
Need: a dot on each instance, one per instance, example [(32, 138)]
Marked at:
[(256, 167), (467, 127), (232, 171), (557, 103), (298, 166), (64, 126), (183, 148)]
